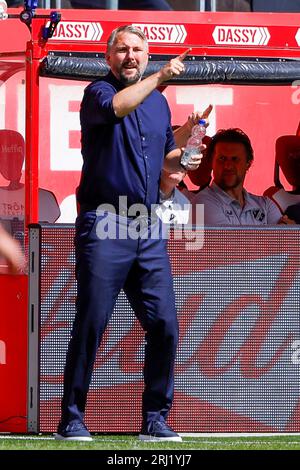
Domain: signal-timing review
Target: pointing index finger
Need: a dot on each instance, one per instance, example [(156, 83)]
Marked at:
[(182, 56), (207, 112)]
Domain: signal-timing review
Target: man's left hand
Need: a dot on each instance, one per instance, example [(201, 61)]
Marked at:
[(195, 160)]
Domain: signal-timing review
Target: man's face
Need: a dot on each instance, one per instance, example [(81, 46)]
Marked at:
[(229, 165), (128, 58)]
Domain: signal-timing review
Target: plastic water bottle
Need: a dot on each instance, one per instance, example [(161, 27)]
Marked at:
[(194, 142)]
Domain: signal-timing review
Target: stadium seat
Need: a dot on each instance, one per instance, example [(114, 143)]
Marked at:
[(287, 159), (12, 195)]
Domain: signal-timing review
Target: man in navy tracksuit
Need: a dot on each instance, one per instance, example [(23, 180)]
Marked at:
[(126, 139)]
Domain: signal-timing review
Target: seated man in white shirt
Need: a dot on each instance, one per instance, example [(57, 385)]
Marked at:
[(226, 201)]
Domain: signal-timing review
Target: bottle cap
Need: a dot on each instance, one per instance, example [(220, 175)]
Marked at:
[(202, 122)]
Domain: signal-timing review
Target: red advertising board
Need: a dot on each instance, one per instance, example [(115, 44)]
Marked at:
[(238, 358), (13, 353)]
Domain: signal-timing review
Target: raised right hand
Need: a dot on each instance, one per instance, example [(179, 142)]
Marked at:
[(174, 67)]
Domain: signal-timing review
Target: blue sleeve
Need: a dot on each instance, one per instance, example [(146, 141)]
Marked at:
[(97, 107), (170, 141)]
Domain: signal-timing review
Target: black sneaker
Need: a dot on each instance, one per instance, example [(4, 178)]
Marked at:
[(72, 432), (158, 431)]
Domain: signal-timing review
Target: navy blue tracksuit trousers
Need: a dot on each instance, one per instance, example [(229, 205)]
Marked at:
[(103, 267)]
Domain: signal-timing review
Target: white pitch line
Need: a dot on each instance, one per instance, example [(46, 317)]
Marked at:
[(210, 438), (51, 438), (32, 438)]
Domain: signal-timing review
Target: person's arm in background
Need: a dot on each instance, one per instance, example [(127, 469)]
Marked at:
[(12, 252), (274, 215), (182, 133), (285, 220), (291, 215)]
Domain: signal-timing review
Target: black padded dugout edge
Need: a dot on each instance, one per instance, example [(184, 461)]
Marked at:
[(197, 71)]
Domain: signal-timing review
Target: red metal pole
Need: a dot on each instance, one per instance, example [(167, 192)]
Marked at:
[(31, 135)]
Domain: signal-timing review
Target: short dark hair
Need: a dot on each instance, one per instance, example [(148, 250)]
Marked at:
[(125, 29), (235, 135)]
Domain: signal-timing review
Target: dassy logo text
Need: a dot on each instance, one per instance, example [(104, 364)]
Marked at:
[(163, 33), (2, 352), (244, 36), (77, 31)]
